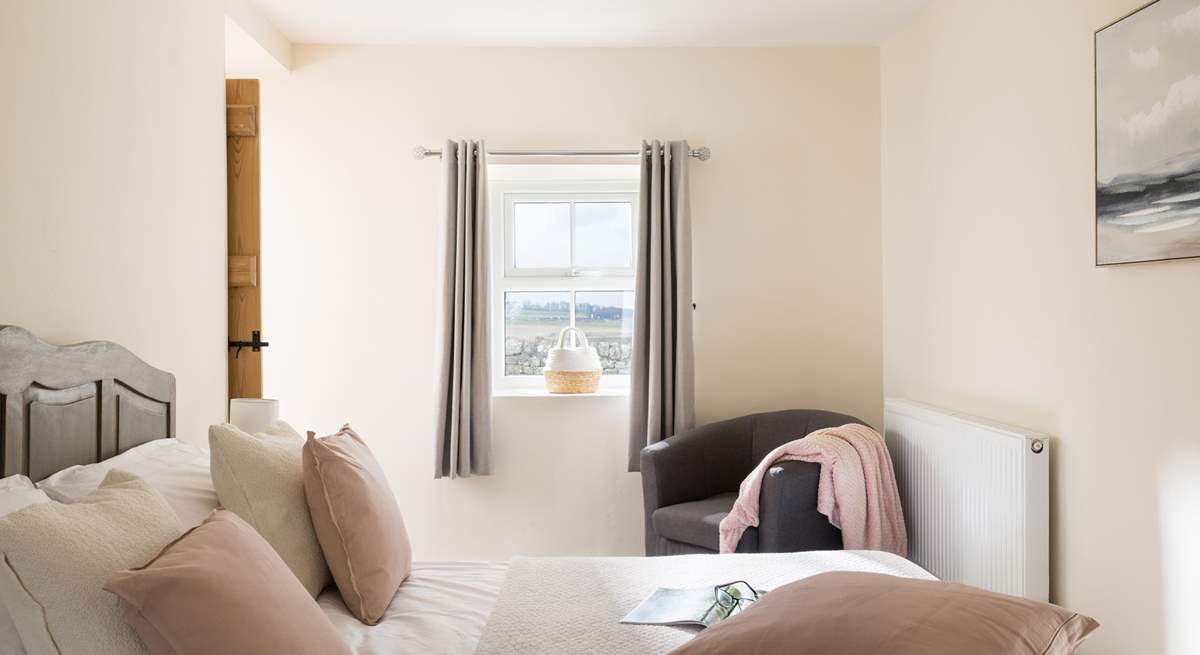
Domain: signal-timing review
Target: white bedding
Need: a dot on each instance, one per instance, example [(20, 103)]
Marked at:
[(440, 610), (566, 605), (177, 470)]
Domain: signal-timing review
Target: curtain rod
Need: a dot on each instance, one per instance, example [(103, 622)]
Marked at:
[(703, 154)]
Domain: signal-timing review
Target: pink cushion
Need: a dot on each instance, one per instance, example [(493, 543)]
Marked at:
[(852, 612), (357, 522), (220, 588)]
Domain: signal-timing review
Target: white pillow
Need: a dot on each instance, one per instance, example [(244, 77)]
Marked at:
[(16, 493), (57, 558), (177, 470), (260, 478)]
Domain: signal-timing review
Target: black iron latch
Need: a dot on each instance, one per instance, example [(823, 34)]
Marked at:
[(255, 344)]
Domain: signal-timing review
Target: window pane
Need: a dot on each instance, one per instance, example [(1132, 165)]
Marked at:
[(532, 321), (541, 234), (603, 235), (606, 317)]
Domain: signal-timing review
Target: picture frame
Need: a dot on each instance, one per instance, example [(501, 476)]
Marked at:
[(1147, 135)]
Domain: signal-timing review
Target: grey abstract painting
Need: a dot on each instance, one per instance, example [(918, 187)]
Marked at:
[(1148, 135)]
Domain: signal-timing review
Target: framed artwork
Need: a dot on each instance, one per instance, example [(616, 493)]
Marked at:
[(1148, 135)]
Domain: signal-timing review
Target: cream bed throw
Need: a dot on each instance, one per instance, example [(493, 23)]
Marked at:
[(571, 605)]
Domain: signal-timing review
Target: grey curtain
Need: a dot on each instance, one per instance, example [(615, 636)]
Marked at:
[(662, 387), (464, 425)]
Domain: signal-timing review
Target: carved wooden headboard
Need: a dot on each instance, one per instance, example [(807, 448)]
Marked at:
[(78, 404)]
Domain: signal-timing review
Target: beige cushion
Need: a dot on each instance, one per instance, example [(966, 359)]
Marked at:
[(357, 521), (846, 612), (16, 493), (260, 478), (57, 558), (222, 589)]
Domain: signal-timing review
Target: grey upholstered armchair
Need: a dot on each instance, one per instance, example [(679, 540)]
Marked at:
[(689, 483)]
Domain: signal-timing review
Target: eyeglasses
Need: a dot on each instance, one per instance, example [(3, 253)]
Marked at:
[(729, 598)]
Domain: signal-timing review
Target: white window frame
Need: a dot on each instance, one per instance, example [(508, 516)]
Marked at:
[(512, 198), (506, 277)]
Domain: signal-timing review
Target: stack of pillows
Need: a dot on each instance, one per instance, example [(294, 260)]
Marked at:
[(111, 569)]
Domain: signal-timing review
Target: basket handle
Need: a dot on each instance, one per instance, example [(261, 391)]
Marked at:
[(580, 337)]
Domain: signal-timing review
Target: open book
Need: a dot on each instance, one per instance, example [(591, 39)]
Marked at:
[(701, 606)]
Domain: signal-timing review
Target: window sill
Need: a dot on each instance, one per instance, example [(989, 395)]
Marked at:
[(542, 393)]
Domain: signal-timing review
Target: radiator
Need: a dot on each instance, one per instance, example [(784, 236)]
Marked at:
[(976, 497)]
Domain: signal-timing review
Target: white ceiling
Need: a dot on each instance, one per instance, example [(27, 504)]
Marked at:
[(734, 23)]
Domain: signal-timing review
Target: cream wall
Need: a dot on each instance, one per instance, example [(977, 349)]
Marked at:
[(112, 184), (992, 304), (787, 251)]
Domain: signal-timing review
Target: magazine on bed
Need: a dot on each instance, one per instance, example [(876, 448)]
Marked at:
[(701, 606)]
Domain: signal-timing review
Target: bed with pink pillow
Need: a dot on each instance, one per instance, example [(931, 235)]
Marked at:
[(97, 431), (444, 607)]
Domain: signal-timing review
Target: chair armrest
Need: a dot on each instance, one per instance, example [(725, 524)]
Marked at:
[(788, 520), (692, 465)]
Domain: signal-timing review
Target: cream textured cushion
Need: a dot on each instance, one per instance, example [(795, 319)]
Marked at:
[(357, 521), (260, 478), (57, 558), (16, 493), (222, 589)]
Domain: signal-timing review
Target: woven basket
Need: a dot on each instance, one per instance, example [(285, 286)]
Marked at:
[(572, 381)]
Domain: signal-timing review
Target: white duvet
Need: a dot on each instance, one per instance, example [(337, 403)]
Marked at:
[(566, 605), (440, 609)]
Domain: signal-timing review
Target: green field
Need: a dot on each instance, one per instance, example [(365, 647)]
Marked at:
[(523, 328), (530, 322)]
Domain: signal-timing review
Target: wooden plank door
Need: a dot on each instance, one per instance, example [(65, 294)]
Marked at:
[(245, 271)]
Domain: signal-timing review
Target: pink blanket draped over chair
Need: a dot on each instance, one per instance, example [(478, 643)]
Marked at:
[(857, 489)]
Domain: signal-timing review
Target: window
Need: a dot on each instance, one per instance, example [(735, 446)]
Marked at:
[(562, 256)]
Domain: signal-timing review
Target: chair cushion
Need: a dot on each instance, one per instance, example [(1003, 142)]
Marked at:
[(698, 523)]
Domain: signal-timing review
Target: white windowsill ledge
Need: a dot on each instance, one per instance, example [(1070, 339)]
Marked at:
[(542, 393)]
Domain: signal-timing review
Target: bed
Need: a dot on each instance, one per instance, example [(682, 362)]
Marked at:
[(69, 406), (567, 605)]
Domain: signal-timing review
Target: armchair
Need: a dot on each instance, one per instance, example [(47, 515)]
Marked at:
[(690, 481)]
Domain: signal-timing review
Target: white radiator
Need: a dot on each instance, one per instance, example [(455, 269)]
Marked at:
[(976, 497)]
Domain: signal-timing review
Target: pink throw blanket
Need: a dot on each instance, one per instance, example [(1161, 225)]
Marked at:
[(857, 489)]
